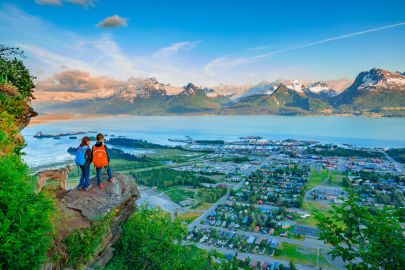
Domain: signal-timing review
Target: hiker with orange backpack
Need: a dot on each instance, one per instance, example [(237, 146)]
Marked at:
[(101, 160)]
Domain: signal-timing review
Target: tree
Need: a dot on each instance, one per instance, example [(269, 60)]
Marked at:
[(346, 182), (25, 225), (300, 201), (292, 266), (14, 72), (363, 237), (25, 216), (151, 240)]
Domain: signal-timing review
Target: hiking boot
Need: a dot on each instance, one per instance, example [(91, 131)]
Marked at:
[(111, 180), (79, 187), (100, 186), (90, 187)]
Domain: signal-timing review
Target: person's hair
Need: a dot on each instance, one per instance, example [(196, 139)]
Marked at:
[(85, 139), (100, 137)]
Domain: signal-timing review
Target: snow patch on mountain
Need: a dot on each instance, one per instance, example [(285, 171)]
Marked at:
[(321, 88), (380, 79), (296, 86)]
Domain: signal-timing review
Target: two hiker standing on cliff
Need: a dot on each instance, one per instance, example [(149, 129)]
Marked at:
[(98, 155)]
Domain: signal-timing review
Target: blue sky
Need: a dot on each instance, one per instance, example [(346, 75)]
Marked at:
[(207, 42)]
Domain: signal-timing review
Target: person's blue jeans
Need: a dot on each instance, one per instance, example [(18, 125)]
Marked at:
[(98, 174), (85, 177)]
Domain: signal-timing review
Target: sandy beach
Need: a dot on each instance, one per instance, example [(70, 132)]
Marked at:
[(48, 118)]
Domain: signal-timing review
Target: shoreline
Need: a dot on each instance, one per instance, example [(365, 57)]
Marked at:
[(50, 118)]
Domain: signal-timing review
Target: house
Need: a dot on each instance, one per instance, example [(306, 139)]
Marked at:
[(264, 265), (259, 240), (253, 264), (250, 239), (274, 243)]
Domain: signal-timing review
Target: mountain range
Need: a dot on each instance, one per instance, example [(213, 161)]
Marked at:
[(375, 92)]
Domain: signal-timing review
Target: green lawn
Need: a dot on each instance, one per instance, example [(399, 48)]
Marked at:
[(317, 177), (336, 180), (309, 206), (175, 155), (188, 217), (203, 206), (178, 193), (216, 177), (301, 255)]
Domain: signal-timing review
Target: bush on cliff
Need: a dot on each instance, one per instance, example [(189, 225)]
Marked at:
[(25, 217), (25, 225), (151, 240)]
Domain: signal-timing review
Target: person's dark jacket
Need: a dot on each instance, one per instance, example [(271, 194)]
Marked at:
[(98, 144)]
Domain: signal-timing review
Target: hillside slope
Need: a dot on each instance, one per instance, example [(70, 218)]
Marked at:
[(374, 91), (283, 100)]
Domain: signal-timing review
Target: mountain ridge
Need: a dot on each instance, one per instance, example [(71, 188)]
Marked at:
[(373, 92)]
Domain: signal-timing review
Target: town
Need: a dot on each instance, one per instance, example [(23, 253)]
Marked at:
[(253, 198)]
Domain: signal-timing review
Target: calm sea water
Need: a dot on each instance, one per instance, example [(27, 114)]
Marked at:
[(361, 131)]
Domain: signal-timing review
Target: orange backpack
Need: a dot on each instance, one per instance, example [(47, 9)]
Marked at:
[(100, 158)]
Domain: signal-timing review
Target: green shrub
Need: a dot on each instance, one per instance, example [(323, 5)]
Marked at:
[(83, 243), (151, 240), (25, 218)]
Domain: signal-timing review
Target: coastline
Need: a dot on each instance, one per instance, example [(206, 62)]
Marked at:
[(50, 118)]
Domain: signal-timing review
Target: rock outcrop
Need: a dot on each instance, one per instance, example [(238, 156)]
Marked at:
[(78, 209), (97, 203), (27, 111)]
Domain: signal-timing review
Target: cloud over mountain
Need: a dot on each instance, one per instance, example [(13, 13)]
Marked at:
[(113, 22), (77, 81), (49, 2)]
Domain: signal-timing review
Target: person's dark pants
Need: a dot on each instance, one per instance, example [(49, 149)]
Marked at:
[(98, 174), (85, 177)]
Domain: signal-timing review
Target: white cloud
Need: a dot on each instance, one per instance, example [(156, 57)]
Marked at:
[(83, 3), (166, 53), (113, 22), (49, 2)]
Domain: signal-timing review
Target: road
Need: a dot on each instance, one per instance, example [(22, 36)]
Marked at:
[(397, 165), (198, 220), (254, 257), (309, 242)]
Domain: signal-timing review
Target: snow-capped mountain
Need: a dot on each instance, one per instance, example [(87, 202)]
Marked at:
[(193, 90), (376, 89), (296, 86), (376, 79), (320, 90), (263, 88)]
